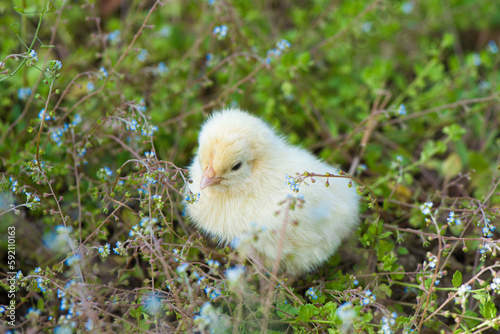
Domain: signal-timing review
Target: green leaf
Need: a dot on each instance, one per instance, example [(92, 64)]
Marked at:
[(457, 279), (306, 311), (454, 132), (488, 310)]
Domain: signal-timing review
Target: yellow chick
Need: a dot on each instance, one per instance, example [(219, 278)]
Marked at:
[(241, 171)]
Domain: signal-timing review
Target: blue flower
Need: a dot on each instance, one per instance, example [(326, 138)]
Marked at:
[(234, 274), (476, 59), (221, 31), (426, 208), (114, 37), (162, 68), (408, 7), (402, 110), (492, 47), (23, 93), (182, 268), (37, 270), (283, 44), (33, 55), (142, 55), (102, 73)]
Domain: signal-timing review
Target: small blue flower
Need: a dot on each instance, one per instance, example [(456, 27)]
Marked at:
[(23, 93), (38, 270), (283, 44), (57, 64), (476, 59), (162, 68), (182, 268), (33, 55), (402, 110), (408, 7), (47, 116), (426, 208), (366, 26), (221, 31), (102, 73), (77, 119), (165, 31), (114, 37), (142, 55), (492, 47), (90, 86)]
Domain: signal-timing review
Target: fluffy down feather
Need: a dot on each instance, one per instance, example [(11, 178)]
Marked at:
[(240, 171)]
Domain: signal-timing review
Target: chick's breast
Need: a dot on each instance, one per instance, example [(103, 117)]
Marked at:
[(247, 199)]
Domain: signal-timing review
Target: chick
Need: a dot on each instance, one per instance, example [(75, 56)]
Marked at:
[(240, 171)]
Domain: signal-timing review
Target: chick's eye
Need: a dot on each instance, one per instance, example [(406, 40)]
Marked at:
[(236, 166)]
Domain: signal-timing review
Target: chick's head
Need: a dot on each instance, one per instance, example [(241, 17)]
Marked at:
[(230, 148)]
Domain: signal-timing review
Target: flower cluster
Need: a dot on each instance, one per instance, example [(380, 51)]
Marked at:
[(41, 284), (368, 298), (149, 155), (58, 133), (213, 264), (31, 58), (192, 198), (212, 293), (495, 285), (120, 249), (102, 73), (451, 220), (432, 261), (462, 293), (388, 322), (104, 250), (53, 71), (292, 182), (488, 228), (148, 130), (426, 208), (104, 173), (221, 31), (13, 184), (312, 295), (43, 114), (31, 202), (282, 46)]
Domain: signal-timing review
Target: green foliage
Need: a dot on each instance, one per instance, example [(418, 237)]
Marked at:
[(101, 106)]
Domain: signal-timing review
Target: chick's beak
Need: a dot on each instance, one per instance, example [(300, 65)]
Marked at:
[(209, 178)]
